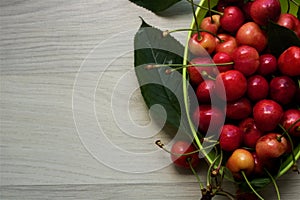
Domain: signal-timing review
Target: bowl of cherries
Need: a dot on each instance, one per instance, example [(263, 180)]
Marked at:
[(240, 76)]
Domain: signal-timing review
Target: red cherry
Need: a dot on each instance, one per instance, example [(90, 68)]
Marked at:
[(232, 19), (267, 64), (271, 145), (290, 21), (252, 35), (228, 44), (234, 83), (205, 91), (222, 57), (200, 46), (231, 137), (206, 116), (196, 75), (267, 114), (182, 147), (289, 122), (282, 89), (289, 61), (263, 11), (257, 88), (211, 24), (239, 109), (251, 132), (246, 60)]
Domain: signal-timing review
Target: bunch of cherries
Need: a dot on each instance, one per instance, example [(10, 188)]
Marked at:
[(261, 90)]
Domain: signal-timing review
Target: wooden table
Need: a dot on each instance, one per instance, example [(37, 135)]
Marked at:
[(61, 62)]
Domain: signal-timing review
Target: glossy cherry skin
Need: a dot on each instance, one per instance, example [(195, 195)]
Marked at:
[(211, 25), (205, 90), (232, 19), (282, 89), (257, 88), (183, 147), (267, 64), (262, 11), (291, 122), (267, 114), (196, 75), (289, 61), (246, 59), (222, 57), (252, 35), (234, 83), (228, 44), (200, 46), (206, 116), (239, 109), (289, 21), (271, 145), (240, 160), (231, 137), (251, 132)]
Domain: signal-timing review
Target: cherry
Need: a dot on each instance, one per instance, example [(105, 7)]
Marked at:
[(289, 61), (282, 89), (252, 35), (205, 91), (234, 83), (267, 64), (246, 59), (182, 147), (262, 11), (267, 114), (240, 160), (197, 73), (222, 57), (257, 88), (201, 44), (231, 137), (251, 132), (227, 45), (232, 19), (206, 116), (211, 24), (239, 109), (290, 122), (271, 145), (289, 21)]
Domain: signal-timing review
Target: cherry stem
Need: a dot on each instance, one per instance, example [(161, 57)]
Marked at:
[(198, 30), (208, 177), (195, 18), (274, 183), (288, 6), (205, 8), (196, 175), (209, 12), (161, 145), (250, 186)]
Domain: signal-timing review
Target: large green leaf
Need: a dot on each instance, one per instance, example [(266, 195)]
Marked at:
[(155, 5), (158, 87), (281, 38)]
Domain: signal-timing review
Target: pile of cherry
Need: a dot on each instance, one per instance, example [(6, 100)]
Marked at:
[(261, 91)]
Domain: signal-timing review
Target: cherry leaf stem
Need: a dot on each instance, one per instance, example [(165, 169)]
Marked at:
[(288, 6), (274, 183), (250, 186)]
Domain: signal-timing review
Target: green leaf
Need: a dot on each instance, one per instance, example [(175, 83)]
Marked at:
[(280, 38), (157, 87), (155, 5)]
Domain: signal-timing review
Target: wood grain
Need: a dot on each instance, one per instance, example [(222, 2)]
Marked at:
[(43, 46)]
